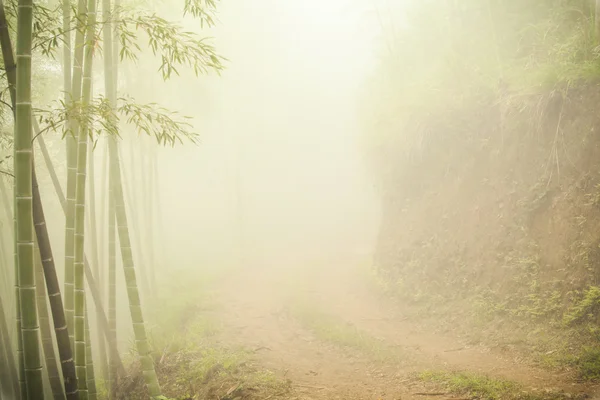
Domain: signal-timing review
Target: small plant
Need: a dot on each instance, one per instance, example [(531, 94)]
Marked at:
[(485, 388), (588, 363), (585, 308), (478, 386)]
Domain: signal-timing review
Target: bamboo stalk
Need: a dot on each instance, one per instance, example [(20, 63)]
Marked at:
[(56, 382)]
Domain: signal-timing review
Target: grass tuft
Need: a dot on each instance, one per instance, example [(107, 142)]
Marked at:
[(482, 387), (336, 331)]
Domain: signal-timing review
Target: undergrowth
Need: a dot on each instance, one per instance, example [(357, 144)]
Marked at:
[(555, 329), (191, 362), (482, 387)]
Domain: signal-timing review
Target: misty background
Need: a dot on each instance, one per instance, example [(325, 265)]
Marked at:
[(287, 107)]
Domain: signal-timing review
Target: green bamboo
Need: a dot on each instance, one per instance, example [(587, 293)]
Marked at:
[(133, 295), (94, 290), (5, 352), (83, 132), (91, 375), (66, 36), (103, 208), (19, 317), (11, 369), (129, 192), (92, 226), (158, 207), (112, 279), (48, 162), (9, 383), (72, 147), (53, 289), (10, 67), (149, 191), (135, 307), (110, 90), (32, 362), (114, 60), (6, 263), (4, 191), (5, 378), (54, 377)]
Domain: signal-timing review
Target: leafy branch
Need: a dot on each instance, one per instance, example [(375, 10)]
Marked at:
[(47, 26), (176, 46), (205, 10), (168, 127)]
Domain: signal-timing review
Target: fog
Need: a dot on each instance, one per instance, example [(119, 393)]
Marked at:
[(371, 200), (285, 112)]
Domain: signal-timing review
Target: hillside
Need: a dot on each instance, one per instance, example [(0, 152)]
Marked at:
[(489, 178)]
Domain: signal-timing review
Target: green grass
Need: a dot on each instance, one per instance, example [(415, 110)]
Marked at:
[(336, 331), (485, 388), (190, 360), (585, 360)]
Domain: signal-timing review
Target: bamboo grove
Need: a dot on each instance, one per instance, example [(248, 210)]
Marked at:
[(58, 317)]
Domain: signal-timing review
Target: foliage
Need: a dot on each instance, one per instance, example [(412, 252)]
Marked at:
[(472, 54), (204, 10), (47, 26), (588, 363), (168, 40), (176, 46), (191, 361), (166, 126), (585, 308)]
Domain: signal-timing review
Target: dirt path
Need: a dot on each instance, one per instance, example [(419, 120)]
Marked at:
[(352, 301), (254, 316)]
